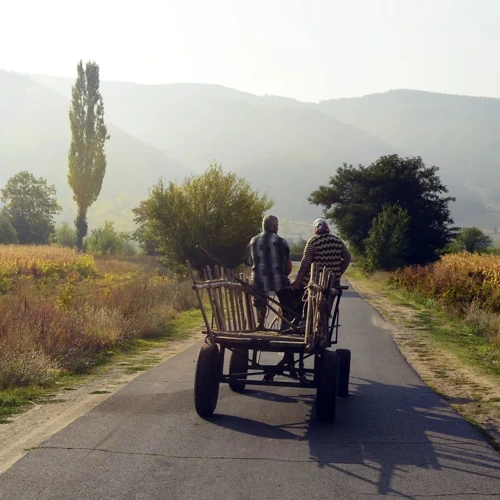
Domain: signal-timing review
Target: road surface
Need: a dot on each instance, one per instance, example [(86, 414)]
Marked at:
[(393, 436)]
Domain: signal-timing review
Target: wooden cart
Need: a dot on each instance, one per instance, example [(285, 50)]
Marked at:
[(234, 327)]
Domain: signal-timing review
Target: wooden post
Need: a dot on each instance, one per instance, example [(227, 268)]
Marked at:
[(200, 303)]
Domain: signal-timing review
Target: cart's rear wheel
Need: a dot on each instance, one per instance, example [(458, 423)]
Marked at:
[(238, 364), (326, 396), (344, 361), (206, 381)]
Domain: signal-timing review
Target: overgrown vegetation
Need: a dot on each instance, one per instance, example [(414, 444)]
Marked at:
[(60, 309), (467, 285)]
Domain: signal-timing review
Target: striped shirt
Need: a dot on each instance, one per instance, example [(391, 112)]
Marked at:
[(268, 255), (324, 250)]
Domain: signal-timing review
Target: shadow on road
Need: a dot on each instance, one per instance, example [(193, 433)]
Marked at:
[(387, 429)]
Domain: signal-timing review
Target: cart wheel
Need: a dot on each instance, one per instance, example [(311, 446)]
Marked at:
[(326, 396), (206, 382), (344, 361), (238, 364)]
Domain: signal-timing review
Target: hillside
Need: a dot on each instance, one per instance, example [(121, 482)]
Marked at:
[(460, 134), (280, 145), (35, 136)]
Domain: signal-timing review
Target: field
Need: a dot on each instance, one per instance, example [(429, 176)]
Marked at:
[(60, 310), (468, 285)]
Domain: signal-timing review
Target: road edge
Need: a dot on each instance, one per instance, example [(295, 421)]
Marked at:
[(413, 344)]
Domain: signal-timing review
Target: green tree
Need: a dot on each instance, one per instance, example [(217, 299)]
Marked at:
[(31, 205), (65, 236), (106, 240), (86, 159), (356, 195), (142, 235), (216, 210), (8, 234), (297, 249), (471, 239), (387, 243)]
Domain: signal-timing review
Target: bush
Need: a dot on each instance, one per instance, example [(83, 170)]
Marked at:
[(65, 236), (216, 210), (105, 240)]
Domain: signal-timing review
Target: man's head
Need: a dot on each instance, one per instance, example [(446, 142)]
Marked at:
[(270, 223), (320, 226)]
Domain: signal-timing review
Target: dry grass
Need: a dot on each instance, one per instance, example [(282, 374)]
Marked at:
[(62, 324), (465, 284), (44, 261)]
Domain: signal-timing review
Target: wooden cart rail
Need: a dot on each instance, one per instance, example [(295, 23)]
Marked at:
[(235, 319)]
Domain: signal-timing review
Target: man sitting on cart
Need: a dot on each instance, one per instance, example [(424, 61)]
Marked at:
[(269, 257), (324, 249)]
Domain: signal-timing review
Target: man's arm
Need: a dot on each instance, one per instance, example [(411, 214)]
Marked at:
[(248, 256)]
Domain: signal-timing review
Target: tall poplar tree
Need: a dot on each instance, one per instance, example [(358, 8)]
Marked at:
[(87, 158)]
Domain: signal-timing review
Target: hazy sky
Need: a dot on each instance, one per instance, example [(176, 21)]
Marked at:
[(310, 50)]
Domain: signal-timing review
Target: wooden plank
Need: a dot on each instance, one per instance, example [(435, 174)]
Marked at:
[(215, 315)]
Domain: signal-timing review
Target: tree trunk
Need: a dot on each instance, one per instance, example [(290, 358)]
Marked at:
[(81, 229)]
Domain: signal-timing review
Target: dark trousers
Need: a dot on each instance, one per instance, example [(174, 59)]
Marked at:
[(288, 298), (293, 300)]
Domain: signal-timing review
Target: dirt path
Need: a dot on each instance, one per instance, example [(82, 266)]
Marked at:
[(474, 395), (32, 427)]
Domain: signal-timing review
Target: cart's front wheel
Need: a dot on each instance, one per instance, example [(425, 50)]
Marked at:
[(206, 381), (238, 364), (344, 361), (326, 396)]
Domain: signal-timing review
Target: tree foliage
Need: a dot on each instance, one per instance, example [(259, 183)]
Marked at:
[(216, 210), (471, 239), (297, 249), (387, 241), (86, 159), (355, 197), (31, 205), (8, 234)]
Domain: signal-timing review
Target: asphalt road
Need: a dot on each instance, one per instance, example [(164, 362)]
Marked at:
[(393, 436)]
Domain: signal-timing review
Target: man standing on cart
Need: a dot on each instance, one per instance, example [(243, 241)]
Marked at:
[(269, 257)]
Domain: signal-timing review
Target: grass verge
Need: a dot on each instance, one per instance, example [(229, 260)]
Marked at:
[(133, 355)]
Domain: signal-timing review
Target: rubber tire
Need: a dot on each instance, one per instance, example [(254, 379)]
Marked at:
[(326, 395), (238, 363), (344, 361), (206, 380)]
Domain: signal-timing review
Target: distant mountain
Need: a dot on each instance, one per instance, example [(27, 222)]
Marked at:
[(459, 134), (280, 145), (35, 136), (283, 146)]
